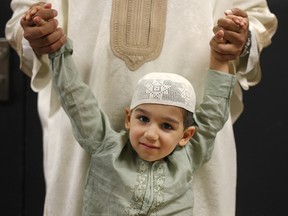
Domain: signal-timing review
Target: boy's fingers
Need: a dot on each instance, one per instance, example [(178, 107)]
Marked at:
[(42, 10), (38, 21)]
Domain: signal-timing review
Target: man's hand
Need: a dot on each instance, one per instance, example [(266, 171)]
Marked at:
[(236, 28), (41, 29)]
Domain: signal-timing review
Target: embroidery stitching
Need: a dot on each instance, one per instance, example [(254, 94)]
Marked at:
[(158, 181), (137, 30), (157, 89), (139, 189)]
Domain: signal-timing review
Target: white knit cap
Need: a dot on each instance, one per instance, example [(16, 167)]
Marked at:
[(164, 88)]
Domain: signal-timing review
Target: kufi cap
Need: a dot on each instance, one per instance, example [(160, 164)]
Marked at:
[(164, 88)]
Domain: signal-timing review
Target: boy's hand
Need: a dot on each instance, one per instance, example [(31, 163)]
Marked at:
[(235, 26), (41, 29), (220, 42), (28, 16), (216, 60)]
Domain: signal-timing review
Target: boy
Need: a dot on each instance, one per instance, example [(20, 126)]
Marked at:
[(148, 169)]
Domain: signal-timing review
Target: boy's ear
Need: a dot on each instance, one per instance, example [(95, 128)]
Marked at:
[(127, 118), (187, 135)]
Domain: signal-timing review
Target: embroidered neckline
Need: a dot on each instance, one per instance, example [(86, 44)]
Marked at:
[(148, 175), (137, 30)]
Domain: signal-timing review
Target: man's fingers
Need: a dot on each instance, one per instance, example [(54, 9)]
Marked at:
[(47, 14), (52, 47), (48, 6), (40, 30), (236, 12), (48, 39), (219, 37), (232, 23), (234, 38)]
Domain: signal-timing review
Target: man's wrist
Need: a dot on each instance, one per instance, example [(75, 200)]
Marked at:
[(247, 46)]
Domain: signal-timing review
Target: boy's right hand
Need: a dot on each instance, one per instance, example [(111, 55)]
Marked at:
[(218, 44), (41, 29), (221, 45), (235, 25)]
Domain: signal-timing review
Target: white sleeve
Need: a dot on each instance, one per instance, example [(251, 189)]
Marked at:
[(36, 67)]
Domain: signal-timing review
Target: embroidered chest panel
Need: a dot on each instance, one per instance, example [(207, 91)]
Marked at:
[(137, 30), (148, 191)]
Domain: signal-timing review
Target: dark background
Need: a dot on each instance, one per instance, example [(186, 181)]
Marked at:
[(261, 131), (22, 186), (262, 188)]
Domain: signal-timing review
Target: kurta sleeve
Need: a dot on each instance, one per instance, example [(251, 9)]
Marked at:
[(90, 124), (211, 114)]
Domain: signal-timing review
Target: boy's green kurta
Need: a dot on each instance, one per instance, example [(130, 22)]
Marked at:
[(118, 181)]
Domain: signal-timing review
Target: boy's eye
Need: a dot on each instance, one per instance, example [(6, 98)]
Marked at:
[(167, 126), (143, 119)]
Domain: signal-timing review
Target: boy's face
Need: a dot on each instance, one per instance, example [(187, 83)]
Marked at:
[(155, 130)]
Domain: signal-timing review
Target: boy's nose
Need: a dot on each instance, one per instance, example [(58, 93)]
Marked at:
[(151, 133)]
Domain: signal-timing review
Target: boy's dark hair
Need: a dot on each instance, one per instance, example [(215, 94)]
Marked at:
[(188, 119)]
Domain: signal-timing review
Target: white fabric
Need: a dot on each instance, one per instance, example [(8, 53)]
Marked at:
[(166, 89), (186, 50)]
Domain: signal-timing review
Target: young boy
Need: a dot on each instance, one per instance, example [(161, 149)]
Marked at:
[(148, 169)]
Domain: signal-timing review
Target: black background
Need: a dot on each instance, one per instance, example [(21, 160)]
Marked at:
[(261, 131)]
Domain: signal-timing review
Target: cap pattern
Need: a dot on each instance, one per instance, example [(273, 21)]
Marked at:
[(157, 89), (166, 89)]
